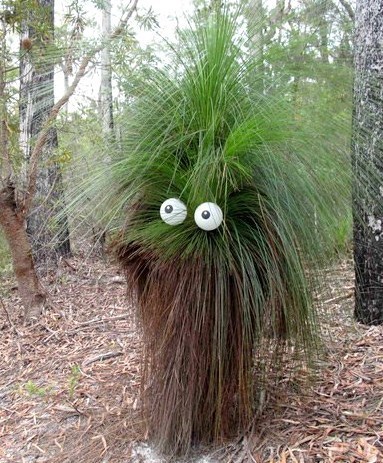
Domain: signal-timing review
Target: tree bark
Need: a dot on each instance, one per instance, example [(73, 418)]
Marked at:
[(105, 106), (12, 219), (367, 160), (13, 224), (49, 235)]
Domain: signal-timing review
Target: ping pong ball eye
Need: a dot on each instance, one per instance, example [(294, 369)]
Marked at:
[(208, 216), (173, 211)]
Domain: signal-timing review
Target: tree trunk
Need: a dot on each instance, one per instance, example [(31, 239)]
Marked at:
[(106, 94), (255, 23), (106, 106), (13, 224), (324, 29), (12, 220), (49, 235), (367, 159)]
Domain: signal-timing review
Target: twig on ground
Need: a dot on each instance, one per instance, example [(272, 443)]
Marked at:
[(104, 356), (102, 320), (8, 316), (339, 298)]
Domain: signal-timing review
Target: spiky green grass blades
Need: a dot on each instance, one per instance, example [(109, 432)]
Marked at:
[(215, 305)]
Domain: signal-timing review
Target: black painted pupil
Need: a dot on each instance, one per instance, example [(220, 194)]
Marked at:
[(169, 209), (205, 214)]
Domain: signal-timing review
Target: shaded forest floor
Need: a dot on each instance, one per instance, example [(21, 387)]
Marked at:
[(69, 385)]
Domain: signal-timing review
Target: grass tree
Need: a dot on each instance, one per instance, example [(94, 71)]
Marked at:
[(221, 201)]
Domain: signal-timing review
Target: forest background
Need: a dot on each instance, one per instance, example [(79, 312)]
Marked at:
[(66, 84), (309, 44)]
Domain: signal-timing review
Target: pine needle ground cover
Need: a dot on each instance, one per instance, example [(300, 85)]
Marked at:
[(220, 201)]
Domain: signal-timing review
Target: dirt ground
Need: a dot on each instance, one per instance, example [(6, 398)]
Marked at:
[(69, 385)]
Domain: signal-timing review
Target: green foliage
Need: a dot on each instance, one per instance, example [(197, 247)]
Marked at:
[(73, 381), (147, 20), (130, 63), (308, 50), (62, 156), (15, 12), (33, 389), (5, 257), (192, 120), (343, 236)]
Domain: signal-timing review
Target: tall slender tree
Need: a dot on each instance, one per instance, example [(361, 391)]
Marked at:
[(106, 94), (368, 162)]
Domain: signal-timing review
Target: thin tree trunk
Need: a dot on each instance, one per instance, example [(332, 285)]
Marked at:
[(368, 162), (324, 29), (256, 25), (106, 105), (106, 94)]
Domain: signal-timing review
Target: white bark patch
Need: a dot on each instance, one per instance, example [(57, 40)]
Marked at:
[(374, 224)]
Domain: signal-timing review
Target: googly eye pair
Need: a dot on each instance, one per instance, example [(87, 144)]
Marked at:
[(208, 216)]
